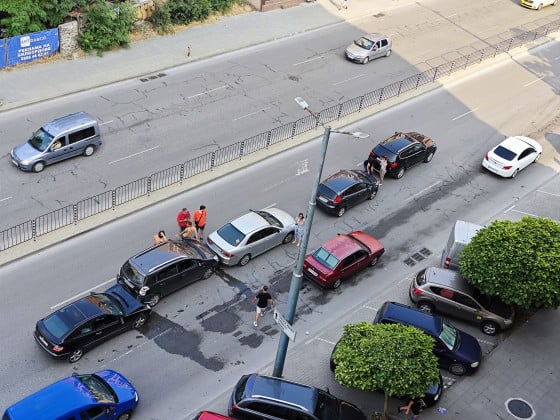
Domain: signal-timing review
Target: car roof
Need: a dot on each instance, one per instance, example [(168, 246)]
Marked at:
[(448, 278), (268, 387), (342, 245), (375, 36), (254, 220), (156, 256), (80, 310), (68, 122), (343, 179), (402, 314), (516, 144)]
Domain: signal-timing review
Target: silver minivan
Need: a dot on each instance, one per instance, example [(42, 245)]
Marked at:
[(63, 138), (369, 47)]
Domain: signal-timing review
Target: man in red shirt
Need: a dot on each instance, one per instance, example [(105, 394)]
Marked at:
[(182, 217)]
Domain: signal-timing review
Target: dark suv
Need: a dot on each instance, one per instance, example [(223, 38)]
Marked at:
[(345, 189), (265, 397), (165, 268), (403, 150)]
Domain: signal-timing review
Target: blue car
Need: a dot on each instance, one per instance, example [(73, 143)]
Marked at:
[(101, 395)]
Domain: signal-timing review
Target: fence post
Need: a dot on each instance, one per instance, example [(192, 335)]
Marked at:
[(467, 61), (381, 95), (418, 80), (481, 56), (113, 199), (34, 229), (268, 137), (293, 130), (361, 103), (317, 120), (182, 173), (435, 73), (212, 160), (149, 186), (241, 148), (339, 111), (75, 213), (510, 42), (400, 87)]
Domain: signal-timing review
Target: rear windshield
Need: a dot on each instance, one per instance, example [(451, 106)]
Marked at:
[(504, 153), (58, 325), (231, 234), (327, 192), (102, 392), (326, 258), (269, 218), (40, 140), (379, 151)]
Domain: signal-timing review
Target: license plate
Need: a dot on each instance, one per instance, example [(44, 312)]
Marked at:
[(323, 199), (45, 342), (310, 270)]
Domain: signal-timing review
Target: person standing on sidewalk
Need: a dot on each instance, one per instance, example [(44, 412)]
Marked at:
[(200, 221), (182, 217), (415, 405), (262, 298), (300, 227)]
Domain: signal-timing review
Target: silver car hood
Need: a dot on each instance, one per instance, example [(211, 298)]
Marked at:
[(25, 152), (357, 51)]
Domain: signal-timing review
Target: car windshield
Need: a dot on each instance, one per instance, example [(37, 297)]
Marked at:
[(231, 234), (106, 303), (101, 391), (504, 153), (269, 218), (364, 43), (40, 140), (327, 407), (132, 274), (326, 258), (379, 151), (449, 335)]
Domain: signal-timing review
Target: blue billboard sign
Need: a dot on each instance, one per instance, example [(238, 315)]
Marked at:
[(2, 53), (29, 47)]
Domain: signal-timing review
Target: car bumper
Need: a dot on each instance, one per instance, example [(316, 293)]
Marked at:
[(530, 6), (46, 348), (316, 280), (505, 173), (21, 166), (328, 208), (354, 58), (229, 261)]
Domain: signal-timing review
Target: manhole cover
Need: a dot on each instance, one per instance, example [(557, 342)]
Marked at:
[(519, 408)]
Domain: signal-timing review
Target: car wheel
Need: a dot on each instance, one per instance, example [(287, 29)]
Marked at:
[(388, 53), (125, 416), (288, 238), (372, 194), (429, 157), (457, 369), (366, 60), (245, 260), (337, 284), (425, 306), (373, 262), (88, 151), (537, 158), (208, 273), (153, 300), (490, 328), (341, 211), (140, 321), (76, 355), (400, 173), (514, 174), (38, 167)]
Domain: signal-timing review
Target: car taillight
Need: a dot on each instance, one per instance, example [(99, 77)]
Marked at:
[(226, 254), (372, 155), (417, 291), (486, 156), (337, 200), (447, 262), (507, 167), (209, 240), (393, 165), (57, 349)]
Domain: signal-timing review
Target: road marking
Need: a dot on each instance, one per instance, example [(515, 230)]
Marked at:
[(207, 91), (556, 58), (271, 205), (252, 113), (308, 61), (541, 191), (134, 154), (525, 213), (534, 81), (465, 114), (4, 199), (325, 341), (64, 302), (487, 342), (424, 190), (348, 80), (370, 307), (303, 167), (106, 122)]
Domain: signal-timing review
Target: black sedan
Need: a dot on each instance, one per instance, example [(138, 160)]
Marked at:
[(346, 189), (81, 325)]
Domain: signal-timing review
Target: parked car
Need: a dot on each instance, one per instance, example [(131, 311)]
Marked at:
[(444, 291), (101, 395), (346, 189), (208, 415), (403, 151), (87, 322), (537, 4), (456, 350), (512, 155), (461, 235), (368, 47), (265, 397), (164, 268), (252, 234), (341, 257)]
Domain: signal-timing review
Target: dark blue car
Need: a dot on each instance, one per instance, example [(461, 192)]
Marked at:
[(457, 351)]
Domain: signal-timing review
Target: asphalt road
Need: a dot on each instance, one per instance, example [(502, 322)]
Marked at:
[(201, 339), (194, 109)]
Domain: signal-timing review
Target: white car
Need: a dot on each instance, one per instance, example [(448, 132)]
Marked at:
[(512, 155), (537, 4)]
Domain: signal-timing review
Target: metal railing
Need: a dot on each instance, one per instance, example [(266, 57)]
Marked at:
[(109, 200)]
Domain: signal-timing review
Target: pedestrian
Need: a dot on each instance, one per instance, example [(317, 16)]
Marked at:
[(368, 167), (189, 232), (343, 5), (416, 405), (200, 221), (300, 226), (188, 51), (160, 237), (382, 169), (182, 217), (263, 298)]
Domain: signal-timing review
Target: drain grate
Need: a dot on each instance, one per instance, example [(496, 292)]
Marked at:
[(418, 256), (152, 77), (519, 408), (410, 262)]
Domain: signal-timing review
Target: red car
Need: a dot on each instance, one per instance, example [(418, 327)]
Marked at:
[(208, 415), (341, 257)]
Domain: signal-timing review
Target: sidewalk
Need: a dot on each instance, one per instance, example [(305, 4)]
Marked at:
[(39, 82)]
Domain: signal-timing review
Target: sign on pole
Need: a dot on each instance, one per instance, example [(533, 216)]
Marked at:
[(285, 325)]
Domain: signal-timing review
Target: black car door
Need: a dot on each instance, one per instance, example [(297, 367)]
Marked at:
[(167, 280), (190, 271), (355, 194), (414, 154), (98, 330)]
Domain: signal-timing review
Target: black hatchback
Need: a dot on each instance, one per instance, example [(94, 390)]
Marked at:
[(346, 189)]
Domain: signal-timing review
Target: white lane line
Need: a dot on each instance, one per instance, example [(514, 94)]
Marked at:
[(424, 190), (509, 209), (207, 91), (271, 205), (348, 80), (370, 307), (106, 122), (5, 199), (252, 113), (534, 81), (451, 15), (64, 302), (134, 154), (525, 213), (556, 58), (308, 61), (465, 114), (325, 341), (541, 191)]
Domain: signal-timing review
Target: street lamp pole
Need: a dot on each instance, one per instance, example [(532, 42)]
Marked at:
[(297, 275)]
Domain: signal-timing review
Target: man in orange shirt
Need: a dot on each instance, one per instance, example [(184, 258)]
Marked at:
[(200, 221)]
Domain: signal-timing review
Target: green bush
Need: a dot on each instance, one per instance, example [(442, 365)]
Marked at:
[(161, 17)]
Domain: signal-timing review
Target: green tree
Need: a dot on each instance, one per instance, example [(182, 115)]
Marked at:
[(392, 358), (22, 17), (107, 26), (518, 261), (56, 11)]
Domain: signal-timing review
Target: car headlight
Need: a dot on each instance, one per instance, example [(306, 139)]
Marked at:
[(143, 291), (475, 364)]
